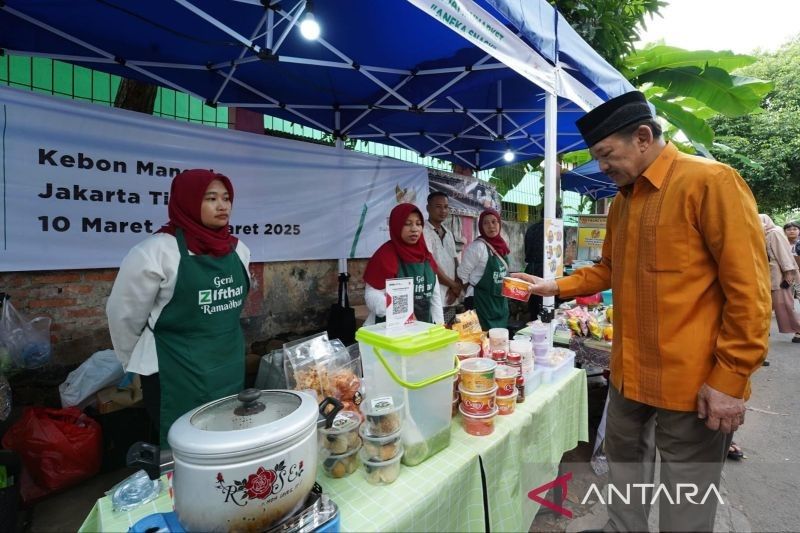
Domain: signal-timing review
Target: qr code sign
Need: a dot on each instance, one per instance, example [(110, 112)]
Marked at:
[(400, 304)]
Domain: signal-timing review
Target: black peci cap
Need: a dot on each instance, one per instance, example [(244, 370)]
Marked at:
[(612, 116)]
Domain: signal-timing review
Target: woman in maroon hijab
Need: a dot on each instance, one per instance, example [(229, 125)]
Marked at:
[(404, 255), (483, 268), (174, 309)]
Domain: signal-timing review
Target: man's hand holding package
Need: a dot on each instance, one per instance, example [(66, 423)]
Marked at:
[(720, 411), (541, 287)]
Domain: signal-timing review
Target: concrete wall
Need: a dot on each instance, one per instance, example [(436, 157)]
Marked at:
[(290, 297)]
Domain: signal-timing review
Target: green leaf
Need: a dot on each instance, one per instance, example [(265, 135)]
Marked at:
[(730, 95), (662, 57), (694, 128), (577, 157)]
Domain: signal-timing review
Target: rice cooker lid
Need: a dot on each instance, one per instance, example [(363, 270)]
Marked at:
[(252, 419)]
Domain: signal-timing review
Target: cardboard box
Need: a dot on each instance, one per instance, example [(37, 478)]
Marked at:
[(113, 399)]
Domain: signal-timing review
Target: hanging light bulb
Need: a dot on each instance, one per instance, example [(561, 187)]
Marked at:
[(509, 156), (309, 28)]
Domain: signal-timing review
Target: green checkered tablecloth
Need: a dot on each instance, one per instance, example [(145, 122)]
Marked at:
[(445, 493)]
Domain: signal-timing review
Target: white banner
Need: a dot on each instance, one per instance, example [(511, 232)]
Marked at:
[(475, 24), (81, 184)]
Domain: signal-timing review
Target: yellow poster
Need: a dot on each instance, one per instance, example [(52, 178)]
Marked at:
[(590, 242)]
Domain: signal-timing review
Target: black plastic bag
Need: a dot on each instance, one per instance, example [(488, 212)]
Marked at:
[(342, 317)]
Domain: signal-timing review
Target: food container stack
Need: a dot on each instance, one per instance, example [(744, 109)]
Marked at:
[(340, 444), (381, 434), (464, 350), (524, 347), (506, 378), (478, 392)]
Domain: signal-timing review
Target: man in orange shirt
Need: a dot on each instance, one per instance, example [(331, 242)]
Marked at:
[(685, 256)]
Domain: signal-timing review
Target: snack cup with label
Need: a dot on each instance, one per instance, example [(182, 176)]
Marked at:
[(342, 436), (477, 374), (382, 472), (380, 448), (341, 465), (478, 403), (505, 377), (506, 404), (467, 350), (478, 425), (516, 289), (381, 417)]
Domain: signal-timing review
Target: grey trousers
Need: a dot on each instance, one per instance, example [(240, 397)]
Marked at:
[(691, 454)]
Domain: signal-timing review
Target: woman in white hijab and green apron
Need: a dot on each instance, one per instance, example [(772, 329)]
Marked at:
[(174, 309), (482, 269)]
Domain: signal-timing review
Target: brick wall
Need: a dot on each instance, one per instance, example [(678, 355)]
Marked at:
[(289, 297)]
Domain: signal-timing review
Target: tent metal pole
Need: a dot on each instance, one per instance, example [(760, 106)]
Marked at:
[(289, 27), (550, 151), (219, 25)]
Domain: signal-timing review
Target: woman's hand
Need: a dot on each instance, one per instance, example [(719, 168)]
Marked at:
[(541, 287), (790, 276)]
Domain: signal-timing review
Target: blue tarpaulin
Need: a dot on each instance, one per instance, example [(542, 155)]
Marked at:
[(587, 179), (383, 70)]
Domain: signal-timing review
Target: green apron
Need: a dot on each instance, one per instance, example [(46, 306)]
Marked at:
[(199, 340), (424, 282), (490, 304)]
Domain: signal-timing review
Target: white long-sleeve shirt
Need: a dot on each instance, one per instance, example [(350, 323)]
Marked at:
[(144, 286), (473, 264), (375, 300)]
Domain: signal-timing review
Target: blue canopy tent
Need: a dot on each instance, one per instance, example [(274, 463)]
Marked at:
[(587, 179), (384, 70)]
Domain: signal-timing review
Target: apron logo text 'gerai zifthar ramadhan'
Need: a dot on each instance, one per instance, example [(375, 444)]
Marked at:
[(207, 298)]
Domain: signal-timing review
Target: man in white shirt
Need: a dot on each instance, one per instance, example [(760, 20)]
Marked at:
[(442, 246)]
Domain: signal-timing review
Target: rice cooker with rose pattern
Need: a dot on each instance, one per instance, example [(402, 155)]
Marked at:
[(244, 462)]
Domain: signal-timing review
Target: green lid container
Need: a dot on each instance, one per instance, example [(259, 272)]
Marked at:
[(407, 344)]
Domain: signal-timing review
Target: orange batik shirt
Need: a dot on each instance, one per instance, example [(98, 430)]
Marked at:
[(685, 256)]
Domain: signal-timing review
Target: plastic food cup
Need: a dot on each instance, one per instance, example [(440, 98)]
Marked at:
[(381, 420), (540, 350), (478, 403), (539, 332), (379, 449), (477, 374), (506, 404), (505, 377), (342, 465), (478, 425), (467, 350), (381, 472), (342, 436), (516, 289)]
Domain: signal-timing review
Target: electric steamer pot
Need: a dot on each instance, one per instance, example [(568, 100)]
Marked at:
[(244, 462)]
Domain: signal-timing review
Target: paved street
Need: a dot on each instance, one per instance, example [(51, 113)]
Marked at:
[(760, 491)]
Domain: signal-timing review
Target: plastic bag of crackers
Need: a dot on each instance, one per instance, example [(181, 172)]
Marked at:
[(468, 327), (325, 366)]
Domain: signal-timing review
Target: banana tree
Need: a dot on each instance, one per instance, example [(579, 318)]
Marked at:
[(687, 87)]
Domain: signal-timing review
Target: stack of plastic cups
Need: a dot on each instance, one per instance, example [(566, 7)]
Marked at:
[(524, 348), (498, 344), (541, 346)]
